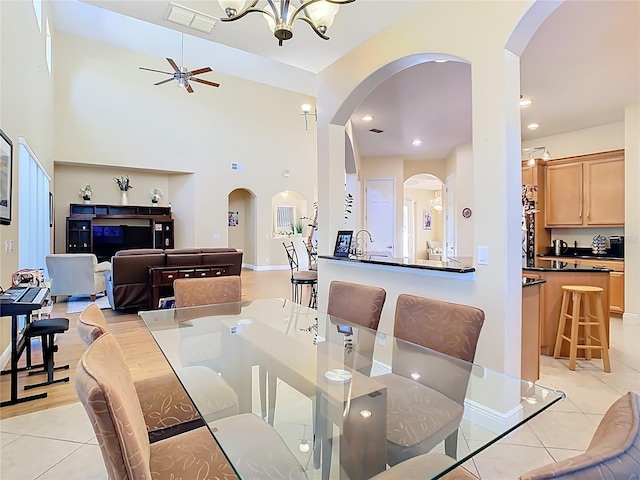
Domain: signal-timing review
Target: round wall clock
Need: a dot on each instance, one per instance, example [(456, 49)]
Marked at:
[(466, 212)]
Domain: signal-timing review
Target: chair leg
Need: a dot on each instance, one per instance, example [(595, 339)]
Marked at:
[(451, 445), (273, 385), (48, 349), (262, 374), (93, 297)]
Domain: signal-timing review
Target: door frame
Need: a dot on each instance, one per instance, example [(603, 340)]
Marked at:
[(393, 207)]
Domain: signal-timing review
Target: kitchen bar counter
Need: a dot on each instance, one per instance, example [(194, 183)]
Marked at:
[(558, 273), (453, 265)]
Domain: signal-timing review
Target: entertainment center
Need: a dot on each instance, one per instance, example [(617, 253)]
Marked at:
[(105, 229)]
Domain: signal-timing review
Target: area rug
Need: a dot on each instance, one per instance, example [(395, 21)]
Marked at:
[(78, 304)]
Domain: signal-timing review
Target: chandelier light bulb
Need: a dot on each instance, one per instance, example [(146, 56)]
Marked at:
[(231, 7), (322, 14), (304, 446)]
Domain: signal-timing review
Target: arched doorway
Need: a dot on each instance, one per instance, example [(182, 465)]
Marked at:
[(242, 224)]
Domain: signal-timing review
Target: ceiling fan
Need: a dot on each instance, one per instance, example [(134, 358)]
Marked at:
[(181, 75)]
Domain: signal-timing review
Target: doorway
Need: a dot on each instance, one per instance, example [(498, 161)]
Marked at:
[(379, 216), (425, 227), (242, 224)]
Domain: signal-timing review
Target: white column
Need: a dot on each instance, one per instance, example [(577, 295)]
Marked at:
[(632, 217)]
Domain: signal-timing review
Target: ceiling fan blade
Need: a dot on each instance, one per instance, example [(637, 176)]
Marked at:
[(206, 82), (152, 70), (201, 70), (164, 81), (173, 64), (189, 89)]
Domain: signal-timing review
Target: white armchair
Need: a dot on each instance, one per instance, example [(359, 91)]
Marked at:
[(434, 250), (76, 274)]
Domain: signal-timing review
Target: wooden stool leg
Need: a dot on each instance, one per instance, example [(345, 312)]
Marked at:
[(573, 344), (604, 341), (561, 324), (588, 318)]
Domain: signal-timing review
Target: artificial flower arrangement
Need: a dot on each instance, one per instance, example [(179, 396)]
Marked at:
[(123, 183), (85, 192), (155, 194)]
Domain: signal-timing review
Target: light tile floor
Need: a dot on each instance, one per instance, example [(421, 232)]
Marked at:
[(59, 444)]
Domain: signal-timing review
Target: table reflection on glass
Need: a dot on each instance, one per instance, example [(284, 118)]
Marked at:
[(327, 386)]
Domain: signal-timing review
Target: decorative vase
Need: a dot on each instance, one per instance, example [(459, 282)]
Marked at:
[(86, 200), (124, 200), (154, 204)]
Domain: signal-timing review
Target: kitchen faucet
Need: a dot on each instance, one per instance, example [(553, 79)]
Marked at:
[(356, 249)]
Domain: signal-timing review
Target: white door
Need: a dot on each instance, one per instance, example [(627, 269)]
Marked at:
[(451, 217), (380, 217)]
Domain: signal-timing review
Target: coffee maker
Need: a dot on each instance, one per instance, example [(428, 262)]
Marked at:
[(616, 246)]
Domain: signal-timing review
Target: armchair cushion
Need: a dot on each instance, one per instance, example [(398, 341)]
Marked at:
[(76, 274)]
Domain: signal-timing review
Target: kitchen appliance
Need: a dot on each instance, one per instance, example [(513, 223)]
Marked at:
[(560, 247), (599, 245), (616, 246)]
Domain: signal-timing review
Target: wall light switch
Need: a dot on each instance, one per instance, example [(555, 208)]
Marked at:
[(216, 236), (483, 255)]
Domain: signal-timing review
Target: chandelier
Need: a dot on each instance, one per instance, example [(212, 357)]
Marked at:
[(436, 202), (280, 14)]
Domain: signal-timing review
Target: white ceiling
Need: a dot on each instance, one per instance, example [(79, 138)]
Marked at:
[(581, 68)]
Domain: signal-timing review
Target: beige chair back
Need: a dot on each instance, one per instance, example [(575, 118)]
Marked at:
[(91, 324), (106, 390), (614, 451), (358, 304), (75, 274), (190, 292), (448, 328)]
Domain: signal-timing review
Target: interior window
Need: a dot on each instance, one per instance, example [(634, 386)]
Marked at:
[(48, 46), (37, 8)]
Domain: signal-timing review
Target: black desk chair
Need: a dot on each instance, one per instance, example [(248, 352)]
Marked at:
[(300, 278), (46, 329)]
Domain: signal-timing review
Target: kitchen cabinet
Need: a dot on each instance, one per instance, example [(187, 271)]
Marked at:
[(585, 191)]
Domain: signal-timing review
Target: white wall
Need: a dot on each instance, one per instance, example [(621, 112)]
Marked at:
[(460, 163), (632, 217)]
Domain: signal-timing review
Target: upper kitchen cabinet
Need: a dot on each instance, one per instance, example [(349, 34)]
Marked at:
[(585, 191)]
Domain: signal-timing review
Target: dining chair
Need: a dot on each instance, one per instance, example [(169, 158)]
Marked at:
[(107, 392), (299, 278), (166, 407), (435, 388), (614, 453)]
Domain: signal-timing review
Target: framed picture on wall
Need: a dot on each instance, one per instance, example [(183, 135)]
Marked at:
[(6, 161), (233, 219), (343, 242), (426, 219)]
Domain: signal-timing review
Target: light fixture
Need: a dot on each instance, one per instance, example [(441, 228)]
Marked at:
[(525, 102), (306, 111), (417, 142), (436, 204), (531, 150), (533, 126), (304, 446), (367, 118), (365, 413), (318, 14)]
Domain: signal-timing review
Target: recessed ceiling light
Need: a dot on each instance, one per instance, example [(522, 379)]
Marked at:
[(416, 142), (525, 102), (441, 60), (367, 118), (533, 126)]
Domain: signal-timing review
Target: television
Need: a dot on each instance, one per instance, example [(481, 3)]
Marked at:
[(108, 235)]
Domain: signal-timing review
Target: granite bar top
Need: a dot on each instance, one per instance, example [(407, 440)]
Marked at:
[(564, 265), (454, 265), (567, 257)]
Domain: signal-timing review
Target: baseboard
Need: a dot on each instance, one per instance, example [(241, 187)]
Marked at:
[(264, 268), (631, 318), (491, 419), (5, 357)]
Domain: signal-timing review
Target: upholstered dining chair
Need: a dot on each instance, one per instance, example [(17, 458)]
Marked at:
[(299, 278), (190, 292), (107, 392), (165, 405), (614, 453), (450, 332)]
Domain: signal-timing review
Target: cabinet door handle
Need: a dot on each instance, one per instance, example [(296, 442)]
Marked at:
[(203, 274), (589, 214), (218, 272), (169, 276), (580, 214), (187, 275)]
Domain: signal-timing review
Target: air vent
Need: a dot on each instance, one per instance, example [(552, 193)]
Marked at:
[(376, 130), (190, 18)]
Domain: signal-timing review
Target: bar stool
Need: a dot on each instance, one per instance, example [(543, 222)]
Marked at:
[(47, 329), (589, 297)]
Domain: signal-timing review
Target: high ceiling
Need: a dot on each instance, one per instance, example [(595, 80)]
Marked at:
[(581, 68)]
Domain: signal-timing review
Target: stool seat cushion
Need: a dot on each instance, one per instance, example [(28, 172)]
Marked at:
[(47, 326)]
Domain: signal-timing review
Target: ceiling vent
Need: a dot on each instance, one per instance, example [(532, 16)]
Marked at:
[(188, 17), (376, 130)]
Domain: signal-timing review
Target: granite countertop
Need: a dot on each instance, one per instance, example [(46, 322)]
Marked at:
[(529, 282), (455, 265), (564, 265), (566, 257)]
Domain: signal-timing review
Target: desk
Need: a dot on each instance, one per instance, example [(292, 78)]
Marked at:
[(304, 348)]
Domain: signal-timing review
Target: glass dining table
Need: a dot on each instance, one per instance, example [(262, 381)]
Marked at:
[(346, 400)]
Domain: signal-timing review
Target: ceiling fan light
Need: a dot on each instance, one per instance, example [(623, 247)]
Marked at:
[(232, 7), (322, 14)]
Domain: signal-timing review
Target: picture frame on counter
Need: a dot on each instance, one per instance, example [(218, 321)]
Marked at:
[(343, 243)]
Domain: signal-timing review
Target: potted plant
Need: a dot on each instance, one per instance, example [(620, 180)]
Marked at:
[(124, 185), (85, 192), (156, 195)]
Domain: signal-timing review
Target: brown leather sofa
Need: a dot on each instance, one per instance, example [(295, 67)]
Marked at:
[(128, 281)]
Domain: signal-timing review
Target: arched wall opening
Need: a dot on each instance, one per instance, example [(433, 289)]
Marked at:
[(423, 225), (242, 224)]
